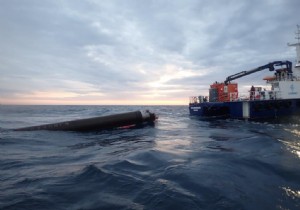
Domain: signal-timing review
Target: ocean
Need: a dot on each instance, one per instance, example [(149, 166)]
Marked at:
[(180, 162)]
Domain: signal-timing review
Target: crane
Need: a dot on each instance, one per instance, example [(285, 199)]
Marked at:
[(270, 66)]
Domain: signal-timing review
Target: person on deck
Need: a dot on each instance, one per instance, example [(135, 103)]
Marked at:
[(252, 92)]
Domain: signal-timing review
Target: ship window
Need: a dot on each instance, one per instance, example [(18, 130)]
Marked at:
[(275, 85)]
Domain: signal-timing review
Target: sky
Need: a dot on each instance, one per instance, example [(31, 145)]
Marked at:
[(133, 52)]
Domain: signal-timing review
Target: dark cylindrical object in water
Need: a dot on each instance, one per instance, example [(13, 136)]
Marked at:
[(97, 123)]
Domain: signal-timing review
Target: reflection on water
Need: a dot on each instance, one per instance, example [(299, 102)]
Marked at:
[(291, 139), (294, 194), (178, 146), (293, 147)]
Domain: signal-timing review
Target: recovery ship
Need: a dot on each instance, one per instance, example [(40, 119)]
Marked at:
[(280, 96)]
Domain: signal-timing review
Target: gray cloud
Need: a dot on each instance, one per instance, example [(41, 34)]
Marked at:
[(109, 50)]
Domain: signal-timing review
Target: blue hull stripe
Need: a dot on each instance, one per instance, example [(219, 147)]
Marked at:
[(257, 109)]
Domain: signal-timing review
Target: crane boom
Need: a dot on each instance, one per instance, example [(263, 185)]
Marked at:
[(270, 66)]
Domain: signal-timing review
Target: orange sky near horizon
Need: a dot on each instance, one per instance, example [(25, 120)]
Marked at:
[(102, 102), (77, 101), (72, 98)]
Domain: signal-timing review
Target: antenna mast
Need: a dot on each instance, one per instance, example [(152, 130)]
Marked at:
[(297, 45)]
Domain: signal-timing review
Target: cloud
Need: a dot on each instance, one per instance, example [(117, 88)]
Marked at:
[(135, 52)]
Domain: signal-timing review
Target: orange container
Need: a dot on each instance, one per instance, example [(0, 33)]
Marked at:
[(227, 92)]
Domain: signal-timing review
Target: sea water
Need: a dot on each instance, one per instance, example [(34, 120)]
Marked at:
[(181, 162)]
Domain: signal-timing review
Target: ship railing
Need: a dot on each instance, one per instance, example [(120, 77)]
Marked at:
[(241, 96), (198, 99), (193, 99), (258, 95), (234, 96), (287, 77)]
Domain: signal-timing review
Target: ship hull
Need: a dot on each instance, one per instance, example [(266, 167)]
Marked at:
[(256, 109)]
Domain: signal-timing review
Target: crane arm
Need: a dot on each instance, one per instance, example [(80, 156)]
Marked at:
[(270, 66)]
